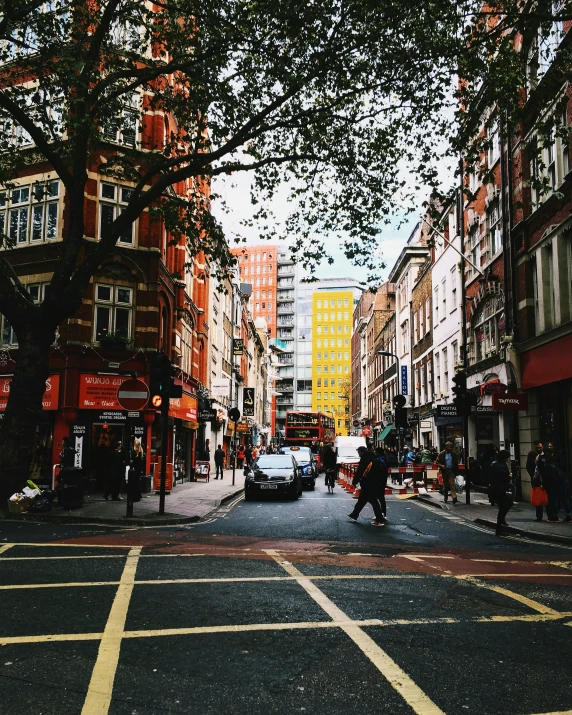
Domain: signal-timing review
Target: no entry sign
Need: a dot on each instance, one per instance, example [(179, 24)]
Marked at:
[(133, 395)]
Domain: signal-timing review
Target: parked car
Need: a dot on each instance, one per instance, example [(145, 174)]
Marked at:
[(273, 474), (306, 461)]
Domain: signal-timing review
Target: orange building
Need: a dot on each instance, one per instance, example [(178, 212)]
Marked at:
[(258, 265)]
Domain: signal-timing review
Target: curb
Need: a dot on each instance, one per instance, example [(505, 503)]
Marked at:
[(535, 535), (229, 497)]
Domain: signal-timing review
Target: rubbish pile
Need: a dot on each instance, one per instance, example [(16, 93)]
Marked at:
[(31, 498)]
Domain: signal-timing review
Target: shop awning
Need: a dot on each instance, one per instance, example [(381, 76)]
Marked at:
[(385, 432)]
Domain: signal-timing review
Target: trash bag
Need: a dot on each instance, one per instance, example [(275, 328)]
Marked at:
[(40, 503), (459, 484)]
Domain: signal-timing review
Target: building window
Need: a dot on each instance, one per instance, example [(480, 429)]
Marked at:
[(445, 359), (436, 304), (488, 326), (113, 200), (427, 316), (113, 307), (438, 373), (493, 140), (123, 128), (29, 214)]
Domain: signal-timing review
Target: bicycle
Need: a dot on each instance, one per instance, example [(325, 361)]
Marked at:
[(330, 480)]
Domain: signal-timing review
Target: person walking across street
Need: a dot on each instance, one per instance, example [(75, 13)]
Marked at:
[(448, 462), (116, 472), (384, 474), (500, 486), (368, 476), (534, 473), (219, 457), (552, 468)]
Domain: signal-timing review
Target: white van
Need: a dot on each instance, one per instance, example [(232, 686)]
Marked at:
[(346, 449)]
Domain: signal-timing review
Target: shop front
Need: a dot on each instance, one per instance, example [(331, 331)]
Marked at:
[(184, 411), (100, 424), (45, 444)]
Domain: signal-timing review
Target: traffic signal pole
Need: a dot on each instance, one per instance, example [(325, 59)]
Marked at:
[(164, 440)]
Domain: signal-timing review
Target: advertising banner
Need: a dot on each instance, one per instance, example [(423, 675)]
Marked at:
[(510, 401), (185, 407), (248, 396), (99, 392)]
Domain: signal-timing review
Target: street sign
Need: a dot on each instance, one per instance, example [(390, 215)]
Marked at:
[(238, 346), (356, 423), (399, 401), (133, 394), (234, 414), (366, 431)]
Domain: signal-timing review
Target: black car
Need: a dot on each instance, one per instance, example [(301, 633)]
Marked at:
[(307, 463), (273, 474)]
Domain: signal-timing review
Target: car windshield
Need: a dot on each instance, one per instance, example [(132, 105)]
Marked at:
[(272, 461)]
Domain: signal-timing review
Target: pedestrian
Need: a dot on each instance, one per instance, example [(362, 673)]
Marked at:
[(534, 473), (380, 454), (500, 478), (254, 453), (425, 455), (115, 474), (240, 456), (248, 455), (329, 463), (137, 464), (219, 457), (434, 454), (368, 476), (448, 462), (552, 468)]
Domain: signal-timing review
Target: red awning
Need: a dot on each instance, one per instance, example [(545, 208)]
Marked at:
[(549, 363)]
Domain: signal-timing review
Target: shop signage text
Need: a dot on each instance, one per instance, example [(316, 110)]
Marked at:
[(185, 407), (99, 392), (50, 400), (238, 346), (220, 387), (404, 387), (510, 401)]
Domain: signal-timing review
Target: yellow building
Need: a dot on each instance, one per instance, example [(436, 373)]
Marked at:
[(332, 312)]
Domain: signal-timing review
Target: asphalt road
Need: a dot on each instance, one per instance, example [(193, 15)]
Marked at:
[(284, 607)]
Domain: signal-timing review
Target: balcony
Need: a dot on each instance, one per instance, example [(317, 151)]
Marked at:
[(287, 359), (284, 388), (286, 309), (278, 344), (285, 322), (285, 335), (286, 271), (285, 296), (285, 282), (285, 258)]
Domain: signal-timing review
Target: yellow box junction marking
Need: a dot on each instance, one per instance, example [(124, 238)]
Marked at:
[(397, 678), (100, 688)]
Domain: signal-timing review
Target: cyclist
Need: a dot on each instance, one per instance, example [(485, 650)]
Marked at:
[(330, 467)]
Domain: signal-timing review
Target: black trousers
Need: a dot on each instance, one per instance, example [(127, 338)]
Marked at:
[(504, 502), (370, 496), (219, 468)]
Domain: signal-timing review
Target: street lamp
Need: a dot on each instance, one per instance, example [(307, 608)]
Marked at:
[(388, 353)]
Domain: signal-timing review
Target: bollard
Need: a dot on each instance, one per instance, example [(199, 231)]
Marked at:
[(132, 491)]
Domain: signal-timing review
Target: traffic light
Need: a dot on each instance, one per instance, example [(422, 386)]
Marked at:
[(463, 399), (400, 417), (162, 381)]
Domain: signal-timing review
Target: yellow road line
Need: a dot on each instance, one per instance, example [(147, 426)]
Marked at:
[(100, 688), (57, 558), (254, 579), (53, 637), (560, 712), (5, 547), (23, 586), (397, 678), (535, 605)]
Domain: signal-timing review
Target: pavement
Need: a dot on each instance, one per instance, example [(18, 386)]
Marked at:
[(276, 607), (188, 502), (521, 518)]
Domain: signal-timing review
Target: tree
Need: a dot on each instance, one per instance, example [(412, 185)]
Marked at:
[(331, 97)]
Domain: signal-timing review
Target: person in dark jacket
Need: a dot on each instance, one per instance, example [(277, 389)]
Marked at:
[(500, 485), (552, 468), (535, 481), (137, 464), (384, 474), (368, 476), (115, 474), (219, 457)]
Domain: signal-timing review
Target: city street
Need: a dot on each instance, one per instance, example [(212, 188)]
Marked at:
[(284, 607)]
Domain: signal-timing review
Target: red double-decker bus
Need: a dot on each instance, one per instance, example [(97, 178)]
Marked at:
[(309, 429)]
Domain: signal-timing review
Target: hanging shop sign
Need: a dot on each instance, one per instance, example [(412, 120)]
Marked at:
[(492, 387), (185, 407), (248, 395), (99, 392), (242, 427), (220, 387), (50, 399), (238, 346), (404, 383), (366, 431), (510, 401)]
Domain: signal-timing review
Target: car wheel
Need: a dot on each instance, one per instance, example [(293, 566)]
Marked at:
[(312, 485), (294, 492)]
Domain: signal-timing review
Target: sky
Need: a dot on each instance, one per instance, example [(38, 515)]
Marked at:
[(235, 191)]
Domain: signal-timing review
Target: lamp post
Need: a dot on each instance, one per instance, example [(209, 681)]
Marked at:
[(388, 353)]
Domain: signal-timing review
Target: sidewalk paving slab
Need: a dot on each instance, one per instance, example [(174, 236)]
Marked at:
[(187, 503), (521, 517)]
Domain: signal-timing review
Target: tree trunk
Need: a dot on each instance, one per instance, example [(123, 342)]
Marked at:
[(18, 428)]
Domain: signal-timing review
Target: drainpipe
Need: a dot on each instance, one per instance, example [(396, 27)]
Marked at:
[(464, 328)]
